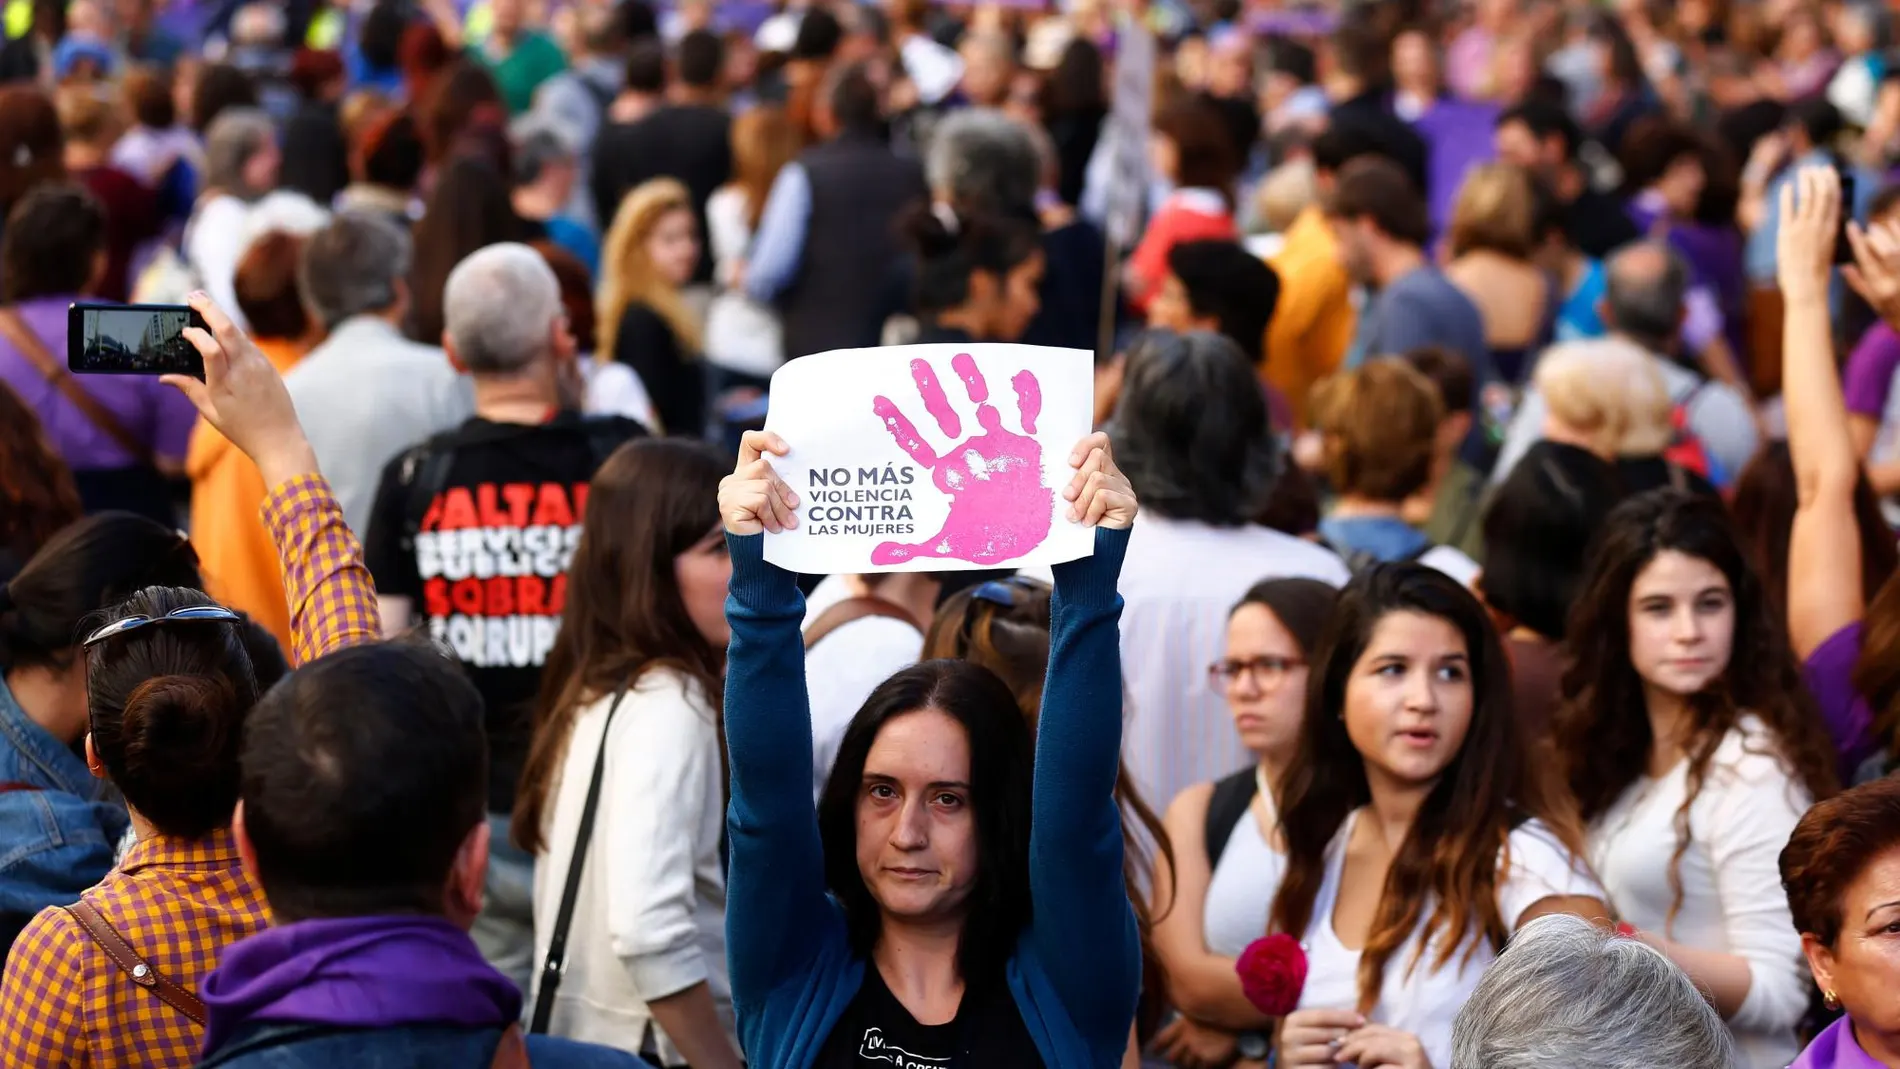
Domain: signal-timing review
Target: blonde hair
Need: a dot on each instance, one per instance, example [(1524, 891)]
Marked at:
[(1495, 210), (1609, 392), (1379, 423), (1286, 192), (764, 140), (626, 273)]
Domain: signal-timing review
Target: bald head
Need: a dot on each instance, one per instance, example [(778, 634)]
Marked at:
[(1643, 301)]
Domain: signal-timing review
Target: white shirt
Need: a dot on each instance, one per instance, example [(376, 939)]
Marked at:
[(614, 389), (1425, 1000), (1181, 580), (742, 334), (1732, 901), (1240, 893), (650, 914), (843, 670)]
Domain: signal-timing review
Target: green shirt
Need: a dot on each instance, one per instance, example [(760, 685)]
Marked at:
[(534, 59), (1456, 511)]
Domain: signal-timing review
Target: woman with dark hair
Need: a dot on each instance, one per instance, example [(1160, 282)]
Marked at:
[(214, 89), (1194, 152), (1074, 103), (1692, 748), (1417, 837), (1841, 868), (37, 496), (976, 277), (1228, 854), (1623, 94), (120, 434), (950, 900), (468, 209), (1003, 625), (242, 160), (460, 97), (227, 492), (1767, 496), (168, 682), (630, 696), (159, 149), (315, 158), (385, 154), (31, 144), (1538, 528)]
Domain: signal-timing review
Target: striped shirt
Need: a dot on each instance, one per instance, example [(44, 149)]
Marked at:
[(178, 902)]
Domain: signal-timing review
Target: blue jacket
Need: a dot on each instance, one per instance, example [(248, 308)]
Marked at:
[(1076, 971), (298, 1046), (59, 826)]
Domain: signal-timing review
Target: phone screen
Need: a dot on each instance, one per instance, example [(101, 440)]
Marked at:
[(140, 339)]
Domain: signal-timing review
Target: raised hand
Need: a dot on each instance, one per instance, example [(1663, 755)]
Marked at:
[(1100, 494), (1804, 240), (753, 498), (243, 396), (1875, 272), (999, 507)]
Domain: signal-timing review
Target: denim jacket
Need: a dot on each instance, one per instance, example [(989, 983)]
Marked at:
[(59, 826)]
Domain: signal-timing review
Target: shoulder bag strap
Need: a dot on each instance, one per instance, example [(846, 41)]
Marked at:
[(21, 337), (128, 959), (556, 962), (851, 610)]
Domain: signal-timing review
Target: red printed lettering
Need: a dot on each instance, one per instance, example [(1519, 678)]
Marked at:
[(435, 597), (501, 596), (520, 496), (466, 596), (551, 507), (458, 510), (534, 596)]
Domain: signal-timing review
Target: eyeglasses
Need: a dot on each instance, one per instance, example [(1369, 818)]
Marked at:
[(1004, 593), (188, 614), (1267, 671)]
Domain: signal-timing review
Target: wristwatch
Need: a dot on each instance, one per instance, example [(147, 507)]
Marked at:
[(1252, 1046)]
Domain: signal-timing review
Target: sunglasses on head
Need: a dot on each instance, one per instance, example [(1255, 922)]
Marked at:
[(188, 614), (1004, 593)]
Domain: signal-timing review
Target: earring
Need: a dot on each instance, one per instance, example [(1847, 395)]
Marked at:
[(1832, 1000)]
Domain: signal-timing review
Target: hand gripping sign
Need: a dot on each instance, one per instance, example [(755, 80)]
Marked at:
[(930, 457)]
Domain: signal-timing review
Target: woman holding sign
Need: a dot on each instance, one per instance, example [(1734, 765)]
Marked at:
[(923, 917)]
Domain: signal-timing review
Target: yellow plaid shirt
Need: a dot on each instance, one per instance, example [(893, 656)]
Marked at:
[(178, 902)]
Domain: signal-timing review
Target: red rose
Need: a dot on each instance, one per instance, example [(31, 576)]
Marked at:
[(1273, 973)]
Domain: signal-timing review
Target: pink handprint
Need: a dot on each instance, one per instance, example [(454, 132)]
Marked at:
[(999, 507)]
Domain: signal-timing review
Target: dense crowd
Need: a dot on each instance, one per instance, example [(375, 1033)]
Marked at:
[(1489, 655)]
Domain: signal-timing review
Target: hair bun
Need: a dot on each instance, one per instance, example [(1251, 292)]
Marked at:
[(177, 718)]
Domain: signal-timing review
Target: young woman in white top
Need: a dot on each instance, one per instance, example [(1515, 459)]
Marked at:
[(1228, 857), (1692, 749), (1418, 836), (646, 950), (743, 335)]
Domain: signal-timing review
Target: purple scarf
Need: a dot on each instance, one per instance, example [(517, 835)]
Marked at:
[(357, 972), (1835, 1048)]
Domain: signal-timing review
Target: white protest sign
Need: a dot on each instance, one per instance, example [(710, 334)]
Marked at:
[(930, 457)]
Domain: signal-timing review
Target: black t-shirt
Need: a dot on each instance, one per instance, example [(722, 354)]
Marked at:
[(1599, 224), (690, 142), (675, 380), (487, 566), (877, 1032)]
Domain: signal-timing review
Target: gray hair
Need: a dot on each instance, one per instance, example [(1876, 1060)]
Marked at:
[(354, 266), (499, 308), (1647, 284), (230, 141), (1565, 992), (538, 146), (982, 160)]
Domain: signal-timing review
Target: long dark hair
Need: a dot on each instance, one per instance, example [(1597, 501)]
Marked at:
[(1001, 766), (652, 500), (1013, 641), (1455, 849), (1764, 507), (468, 209), (1601, 733), (90, 564), (37, 496), (168, 703)]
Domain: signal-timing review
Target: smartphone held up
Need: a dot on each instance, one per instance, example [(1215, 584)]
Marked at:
[(132, 339)]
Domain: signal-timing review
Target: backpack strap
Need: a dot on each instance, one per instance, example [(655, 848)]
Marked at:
[(137, 967), (1225, 807), (851, 610)]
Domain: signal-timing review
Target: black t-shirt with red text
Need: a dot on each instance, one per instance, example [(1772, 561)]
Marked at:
[(483, 554)]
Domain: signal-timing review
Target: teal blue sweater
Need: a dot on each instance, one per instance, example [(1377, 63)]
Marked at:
[(1076, 971)]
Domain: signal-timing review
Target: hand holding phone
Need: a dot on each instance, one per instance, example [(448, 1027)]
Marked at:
[(1843, 247), (243, 397), (132, 339)]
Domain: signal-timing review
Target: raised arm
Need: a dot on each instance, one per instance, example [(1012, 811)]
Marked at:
[(331, 596), (1824, 565), (777, 914), (1083, 926)]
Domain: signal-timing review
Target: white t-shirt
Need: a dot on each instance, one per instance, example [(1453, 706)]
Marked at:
[(1426, 1001), (843, 670), (1240, 891), (1732, 900)]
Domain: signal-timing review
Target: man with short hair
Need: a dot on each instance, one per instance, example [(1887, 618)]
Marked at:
[(1542, 138), (1380, 222), (1219, 286), (826, 241), (520, 56), (689, 137), (547, 170), (473, 529), (366, 392), (1644, 302), (360, 815)]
